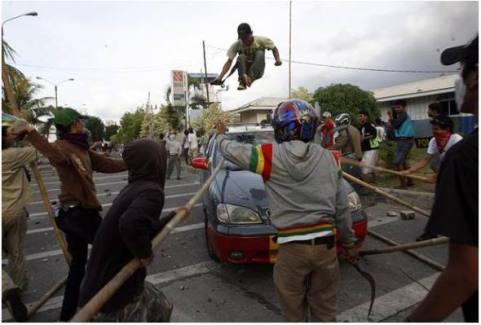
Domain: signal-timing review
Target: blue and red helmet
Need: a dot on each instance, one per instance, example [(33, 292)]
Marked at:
[(295, 119)]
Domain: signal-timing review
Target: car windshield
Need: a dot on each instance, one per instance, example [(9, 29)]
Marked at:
[(245, 137)]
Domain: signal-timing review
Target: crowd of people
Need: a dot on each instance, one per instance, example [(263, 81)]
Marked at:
[(307, 219)]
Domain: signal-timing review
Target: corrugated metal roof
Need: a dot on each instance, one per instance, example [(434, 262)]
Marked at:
[(426, 87), (261, 103)]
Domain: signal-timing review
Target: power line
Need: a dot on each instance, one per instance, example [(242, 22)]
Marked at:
[(357, 68)]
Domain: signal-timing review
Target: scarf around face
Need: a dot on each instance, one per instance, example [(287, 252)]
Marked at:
[(78, 139), (442, 138)]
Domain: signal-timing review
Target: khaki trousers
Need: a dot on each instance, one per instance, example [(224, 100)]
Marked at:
[(14, 229), (306, 279)]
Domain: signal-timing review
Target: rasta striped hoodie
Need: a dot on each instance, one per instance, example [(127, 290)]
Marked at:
[(304, 185)]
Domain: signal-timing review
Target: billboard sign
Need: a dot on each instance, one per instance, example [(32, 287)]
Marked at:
[(179, 87)]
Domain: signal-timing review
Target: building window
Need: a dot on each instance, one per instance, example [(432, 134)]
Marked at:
[(449, 107)]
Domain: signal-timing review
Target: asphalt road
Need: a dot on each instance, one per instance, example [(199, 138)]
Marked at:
[(205, 291)]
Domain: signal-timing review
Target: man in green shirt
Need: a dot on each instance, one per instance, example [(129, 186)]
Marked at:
[(251, 57)]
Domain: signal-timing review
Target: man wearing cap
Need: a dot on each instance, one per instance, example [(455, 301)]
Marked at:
[(251, 57), (79, 215), (455, 209)]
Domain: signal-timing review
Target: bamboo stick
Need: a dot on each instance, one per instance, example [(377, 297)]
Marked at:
[(36, 306), (403, 247), (414, 254), (387, 195), (348, 161), (93, 306)]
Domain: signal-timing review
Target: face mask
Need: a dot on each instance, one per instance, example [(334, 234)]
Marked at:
[(460, 90), (172, 137), (442, 138)]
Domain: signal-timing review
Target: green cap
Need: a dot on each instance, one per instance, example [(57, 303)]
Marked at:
[(67, 116)]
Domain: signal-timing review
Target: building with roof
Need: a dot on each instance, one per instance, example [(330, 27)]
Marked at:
[(418, 95), (257, 110)]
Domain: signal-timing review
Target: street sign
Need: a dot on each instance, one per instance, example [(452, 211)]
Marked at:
[(179, 87)]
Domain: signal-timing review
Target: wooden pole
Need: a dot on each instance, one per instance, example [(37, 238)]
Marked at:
[(403, 247), (348, 161), (32, 310), (205, 74), (414, 254), (93, 306), (387, 195)]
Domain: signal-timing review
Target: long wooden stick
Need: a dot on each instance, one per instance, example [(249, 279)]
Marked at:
[(403, 247), (93, 306), (33, 309), (43, 192), (385, 194), (348, 161), (414, 254)]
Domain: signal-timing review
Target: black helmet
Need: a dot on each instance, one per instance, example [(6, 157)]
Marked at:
[(243, 29)]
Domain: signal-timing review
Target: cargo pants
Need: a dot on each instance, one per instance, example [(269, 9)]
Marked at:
[(14, 228), (255, 69), (299, 264)]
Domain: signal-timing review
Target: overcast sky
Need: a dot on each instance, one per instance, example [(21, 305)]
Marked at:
[(119, 51)]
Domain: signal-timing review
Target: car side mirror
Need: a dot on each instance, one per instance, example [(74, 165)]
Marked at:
[(200, 163)]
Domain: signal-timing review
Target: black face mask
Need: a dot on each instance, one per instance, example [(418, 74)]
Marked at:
[(78, 139)]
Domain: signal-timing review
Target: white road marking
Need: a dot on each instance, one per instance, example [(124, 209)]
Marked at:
[(389, 304), (95, 179), (59, 252), (156, 279)]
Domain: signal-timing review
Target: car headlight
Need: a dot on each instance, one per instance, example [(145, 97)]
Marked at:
[(354, 201), (234, 214)]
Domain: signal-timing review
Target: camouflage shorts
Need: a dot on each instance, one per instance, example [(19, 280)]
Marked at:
[(150, 306)]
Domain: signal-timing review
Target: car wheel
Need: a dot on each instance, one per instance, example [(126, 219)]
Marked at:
[(210, 250)]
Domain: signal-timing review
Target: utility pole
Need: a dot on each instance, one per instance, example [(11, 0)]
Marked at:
[(290, 32), (205, 73)]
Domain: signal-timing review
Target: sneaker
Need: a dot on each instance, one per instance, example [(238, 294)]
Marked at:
[(241, 87), (426, 236), (16, 307)]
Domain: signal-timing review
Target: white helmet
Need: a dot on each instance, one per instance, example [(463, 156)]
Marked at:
[(343, 119), (326, 114)]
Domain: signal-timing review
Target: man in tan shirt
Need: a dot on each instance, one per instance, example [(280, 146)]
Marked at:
[(251, 57), (16, 196)]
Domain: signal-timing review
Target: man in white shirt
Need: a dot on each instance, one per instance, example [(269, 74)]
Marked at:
[(443, 139), (174, 149), (193, 143)]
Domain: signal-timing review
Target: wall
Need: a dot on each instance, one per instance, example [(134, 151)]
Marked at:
[(253, 116)]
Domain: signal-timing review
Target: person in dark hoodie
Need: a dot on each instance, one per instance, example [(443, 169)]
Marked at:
[(126, 233), (307, 202), (79, 215)]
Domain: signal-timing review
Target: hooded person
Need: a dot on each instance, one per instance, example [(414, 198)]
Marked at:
[(307, 201), (126, 233), (78, 216)]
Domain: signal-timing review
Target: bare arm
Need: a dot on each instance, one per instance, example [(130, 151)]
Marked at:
[(453, 287), (419, 164), (277, 57), (225, 69)]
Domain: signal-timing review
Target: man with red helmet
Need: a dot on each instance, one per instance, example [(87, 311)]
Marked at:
[(307, 203)]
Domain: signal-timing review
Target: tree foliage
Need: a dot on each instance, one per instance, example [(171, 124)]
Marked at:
[(210, 116), (346, 98), (110, 130), (96, 128), (130, 126)]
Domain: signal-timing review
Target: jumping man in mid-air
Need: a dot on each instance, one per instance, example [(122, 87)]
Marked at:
[(251, 60)]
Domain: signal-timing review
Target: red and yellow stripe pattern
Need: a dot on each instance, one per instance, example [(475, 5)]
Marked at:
[(261, 160), (305, 230)]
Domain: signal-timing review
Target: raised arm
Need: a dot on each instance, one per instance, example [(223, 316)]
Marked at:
[(103, 164)]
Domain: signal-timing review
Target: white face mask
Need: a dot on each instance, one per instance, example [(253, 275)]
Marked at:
[(172, 137), (459, 92)]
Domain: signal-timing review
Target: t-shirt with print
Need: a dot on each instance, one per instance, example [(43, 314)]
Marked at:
[(455, 209), (259, 43)]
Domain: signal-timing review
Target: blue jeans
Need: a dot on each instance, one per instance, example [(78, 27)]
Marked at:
[(402, 150)]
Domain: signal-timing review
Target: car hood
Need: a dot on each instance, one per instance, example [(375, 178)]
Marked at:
[(242, 188)]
